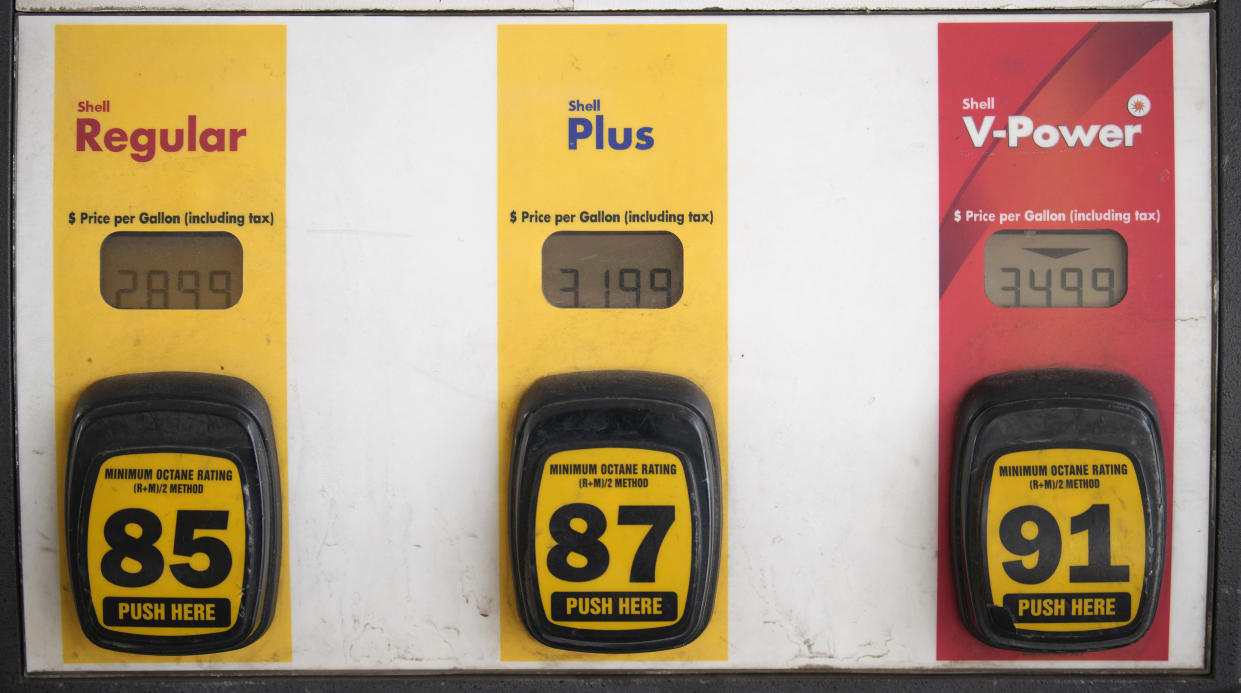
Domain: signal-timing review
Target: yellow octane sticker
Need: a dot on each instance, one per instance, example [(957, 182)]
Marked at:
[(1066, 539), (166, 544), (613, 538)]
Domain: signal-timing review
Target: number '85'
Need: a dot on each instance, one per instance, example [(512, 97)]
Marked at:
[(141, 548)]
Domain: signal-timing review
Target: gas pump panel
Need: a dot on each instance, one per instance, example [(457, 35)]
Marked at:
[(417, 343)]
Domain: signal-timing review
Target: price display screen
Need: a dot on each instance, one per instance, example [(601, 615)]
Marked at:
[(617, 520), (157, 270), (1055, 269), (1060, 521), (173, 513), (613, 269)]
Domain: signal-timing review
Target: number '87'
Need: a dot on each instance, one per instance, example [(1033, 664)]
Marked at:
[(586, 542)]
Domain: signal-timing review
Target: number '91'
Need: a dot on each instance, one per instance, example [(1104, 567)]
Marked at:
[(1045, 544)]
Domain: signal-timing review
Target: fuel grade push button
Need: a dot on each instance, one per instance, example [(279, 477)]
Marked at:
[(1058, 518), (615, 502), (172, 513)]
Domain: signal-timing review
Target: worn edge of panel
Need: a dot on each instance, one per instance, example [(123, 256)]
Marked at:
[(594, 5)]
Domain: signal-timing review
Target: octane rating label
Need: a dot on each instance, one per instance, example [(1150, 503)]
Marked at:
[(1065, 539), (612, 538), (166, 544)]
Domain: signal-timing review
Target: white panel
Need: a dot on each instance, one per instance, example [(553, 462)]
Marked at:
[(392, 343), (32, 345), (833, 343), (1195, 287)]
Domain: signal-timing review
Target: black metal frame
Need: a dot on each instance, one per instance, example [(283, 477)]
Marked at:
[(1224, 599)]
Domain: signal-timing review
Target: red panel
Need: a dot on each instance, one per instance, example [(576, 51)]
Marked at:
[(1056, 74)]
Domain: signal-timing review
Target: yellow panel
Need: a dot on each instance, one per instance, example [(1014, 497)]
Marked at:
[(166, 107), (671, 79)]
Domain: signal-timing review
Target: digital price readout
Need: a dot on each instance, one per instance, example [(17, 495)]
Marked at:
[(615, 511), (156, 270), (173, 513), (1055, 269), (613, 269), (1058, 515)]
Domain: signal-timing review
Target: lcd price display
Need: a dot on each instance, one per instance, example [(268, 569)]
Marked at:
[(613, 269), (159, 270), (1055, 269)]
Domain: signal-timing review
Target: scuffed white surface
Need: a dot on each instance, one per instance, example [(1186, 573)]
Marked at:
[(1191, 529), (392, 342), (833, 365), (392, 415), (38, 526)]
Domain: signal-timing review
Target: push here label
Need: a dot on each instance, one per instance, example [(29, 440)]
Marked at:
[(165, 612), (614, 606)]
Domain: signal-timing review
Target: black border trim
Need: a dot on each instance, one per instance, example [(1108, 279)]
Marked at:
[(1224, 601)]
